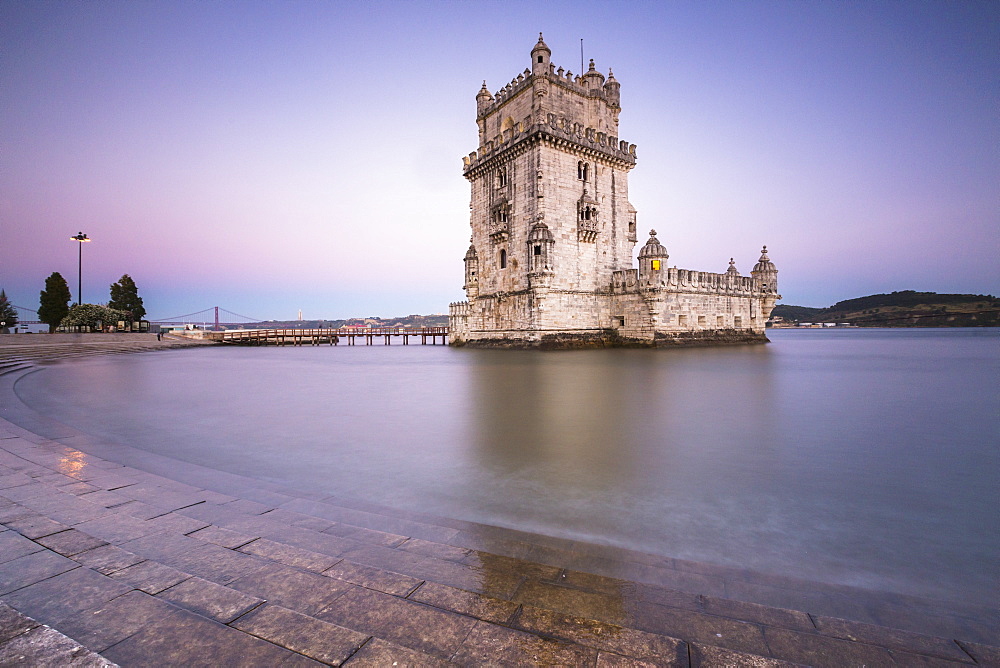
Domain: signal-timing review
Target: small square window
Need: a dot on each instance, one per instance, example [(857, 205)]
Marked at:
[(538, 250), (656, 265)]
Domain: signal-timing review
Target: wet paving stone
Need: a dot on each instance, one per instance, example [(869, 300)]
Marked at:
[(323, 641), (592, 605), (761, 614), (602, 636), (297, 519), (210, 600), (105, 498), (289, 555), (890, 638), (32, 568), (497, 645), (373, 578), (986, 655), (60, 596), (175, 523), (609, 660), (222, 537), (291, 588), (170, 641), (698, 627), (77, 488), (105, 625), (13, 623), (465, 602), (117, 528), (27, 491), (150, 576), (707, 656), (494, 583), (437, 550), (66, 508), (43, 646), (195, 557), (13, 546), (107, 559), (70, 542), (407, 623), (821, 651), (35, 526), (306, 539), (378, 653), (249, 507), (368, 536)]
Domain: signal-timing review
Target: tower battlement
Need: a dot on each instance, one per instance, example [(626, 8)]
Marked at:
[(553, 232)]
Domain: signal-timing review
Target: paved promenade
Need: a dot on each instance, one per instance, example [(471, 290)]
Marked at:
[(112, 555)]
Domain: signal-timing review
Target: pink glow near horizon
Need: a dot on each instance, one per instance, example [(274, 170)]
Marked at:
[(270, 157)]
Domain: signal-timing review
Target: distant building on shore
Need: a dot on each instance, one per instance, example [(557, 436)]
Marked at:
[(553, 232)]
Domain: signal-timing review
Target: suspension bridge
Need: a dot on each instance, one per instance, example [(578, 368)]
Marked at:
[(215, 316), (243, 330)]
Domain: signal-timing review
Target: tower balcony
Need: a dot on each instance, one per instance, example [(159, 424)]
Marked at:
[(499, 231), (586, 231)]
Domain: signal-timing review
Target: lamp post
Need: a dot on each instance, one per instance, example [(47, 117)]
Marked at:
[(82, 238)]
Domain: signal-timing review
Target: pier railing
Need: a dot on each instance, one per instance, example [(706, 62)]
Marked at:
[(316, 337)]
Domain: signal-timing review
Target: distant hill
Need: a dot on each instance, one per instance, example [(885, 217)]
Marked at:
[(905, 308)]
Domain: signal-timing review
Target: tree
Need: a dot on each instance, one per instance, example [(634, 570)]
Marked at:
[(8, 314), (125, 297), (54, 300), (94, 316)]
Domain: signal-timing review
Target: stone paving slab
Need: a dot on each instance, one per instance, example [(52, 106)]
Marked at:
[(166, 572)]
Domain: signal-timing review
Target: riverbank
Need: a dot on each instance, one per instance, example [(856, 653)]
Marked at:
[(162, 552)]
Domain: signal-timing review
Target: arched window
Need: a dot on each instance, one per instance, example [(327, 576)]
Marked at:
[(502, 178), (503, 258), (586, 171), (579, 170), (538, 250)]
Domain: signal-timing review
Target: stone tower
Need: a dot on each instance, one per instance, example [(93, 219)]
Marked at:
[(553, 232)]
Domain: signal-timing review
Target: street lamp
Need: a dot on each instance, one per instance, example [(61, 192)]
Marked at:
[(82, 238)]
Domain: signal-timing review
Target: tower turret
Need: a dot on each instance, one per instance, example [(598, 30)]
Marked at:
[(613, 90), (540, 241), (540, 56), (652, 262), (483, 99), (471, 272), (767, 282), (766, 273), (593, 81)]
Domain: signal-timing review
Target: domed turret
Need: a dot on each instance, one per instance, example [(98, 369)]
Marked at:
[(540, 242), (764, 263), (593, 80), (613, 90), (540, 56), (471, 272), (483, 99), (766, 273), (732, 271), (653, 262), (653, 248)]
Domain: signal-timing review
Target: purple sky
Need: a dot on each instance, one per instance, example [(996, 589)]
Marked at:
[(271, 157)]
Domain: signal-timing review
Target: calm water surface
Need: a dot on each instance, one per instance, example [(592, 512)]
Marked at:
[(864, 457)]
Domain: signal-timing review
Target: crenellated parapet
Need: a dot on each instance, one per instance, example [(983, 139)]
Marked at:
[(557, 130)]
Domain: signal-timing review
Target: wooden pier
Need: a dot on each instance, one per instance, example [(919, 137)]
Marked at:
[(317, 337)]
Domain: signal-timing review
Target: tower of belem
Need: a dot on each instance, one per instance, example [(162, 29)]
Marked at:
[(553, 232)]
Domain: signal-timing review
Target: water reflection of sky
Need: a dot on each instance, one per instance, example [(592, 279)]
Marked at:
[(856, 457)]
